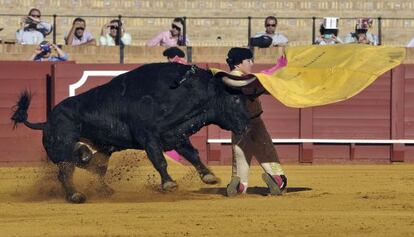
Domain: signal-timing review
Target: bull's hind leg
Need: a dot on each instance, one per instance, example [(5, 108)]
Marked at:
[(65, 176), (99, 165), (157, 158), (88, 157), (59, 140), (187, 150)]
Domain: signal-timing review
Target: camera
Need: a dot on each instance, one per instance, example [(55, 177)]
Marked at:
[(45, 48), (327, 36), (28, 20), (361, 31)]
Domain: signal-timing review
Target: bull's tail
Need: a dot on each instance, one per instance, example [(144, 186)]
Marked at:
[(20, 112)]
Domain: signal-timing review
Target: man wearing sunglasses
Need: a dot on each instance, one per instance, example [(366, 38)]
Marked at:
[(270, 25), (32, 29), (78, 35), (172, 37), (109, 33)]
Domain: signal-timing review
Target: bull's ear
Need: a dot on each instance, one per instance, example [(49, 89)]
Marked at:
[(187, 76), (171, 73)]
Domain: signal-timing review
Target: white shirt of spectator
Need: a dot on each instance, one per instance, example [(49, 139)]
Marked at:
[(278, 38), (108, 40), (29, 37), (87, 36), (33, 36), (411, 43)]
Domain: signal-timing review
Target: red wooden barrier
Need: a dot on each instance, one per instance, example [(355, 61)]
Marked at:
[(408, 109), (22, 144)]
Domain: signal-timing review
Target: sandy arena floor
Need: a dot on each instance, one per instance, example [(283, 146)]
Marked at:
[(330, 200)]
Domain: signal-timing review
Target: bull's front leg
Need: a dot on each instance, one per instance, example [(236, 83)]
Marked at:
[(155, 155), (187, 150), (65, 176)]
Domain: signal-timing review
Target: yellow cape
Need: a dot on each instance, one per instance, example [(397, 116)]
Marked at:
[(320, 75)]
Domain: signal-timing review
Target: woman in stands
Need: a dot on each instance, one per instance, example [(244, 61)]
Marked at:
[(172, 37), (361, 35), (109, 34)]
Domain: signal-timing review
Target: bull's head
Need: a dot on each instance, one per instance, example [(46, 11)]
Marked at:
[(226, 106), (231, 107), (235, 116)]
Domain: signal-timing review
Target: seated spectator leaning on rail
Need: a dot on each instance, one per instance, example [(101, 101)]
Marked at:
[(362, 34), (32, 29), (172, 37), (78, 35), (43, 52), (329, 32), (270, 24), (109, 33)]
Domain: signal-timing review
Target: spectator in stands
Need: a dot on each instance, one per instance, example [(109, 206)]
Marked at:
[(362, 34), (329, 32), (270, 24), (411, 43), (32, 29), (109, 33), (43, 52), (174, 54), (78, 35), (172, 37)]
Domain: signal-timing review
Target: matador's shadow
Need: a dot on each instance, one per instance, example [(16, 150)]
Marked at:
[(262, 191)]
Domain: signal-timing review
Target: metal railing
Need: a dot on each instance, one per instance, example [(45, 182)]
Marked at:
[(249, 27)]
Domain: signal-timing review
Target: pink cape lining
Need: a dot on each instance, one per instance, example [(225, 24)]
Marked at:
[(174, 155), (281, 62)]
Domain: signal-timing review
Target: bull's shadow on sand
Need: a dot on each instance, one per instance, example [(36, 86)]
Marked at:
[(262, 191)]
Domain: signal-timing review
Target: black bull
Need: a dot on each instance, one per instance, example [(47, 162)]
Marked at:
[(155, 107)]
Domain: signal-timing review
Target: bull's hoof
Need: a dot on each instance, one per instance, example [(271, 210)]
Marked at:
[(169, 186), (77, 198), (210, 179), (105, 191)]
